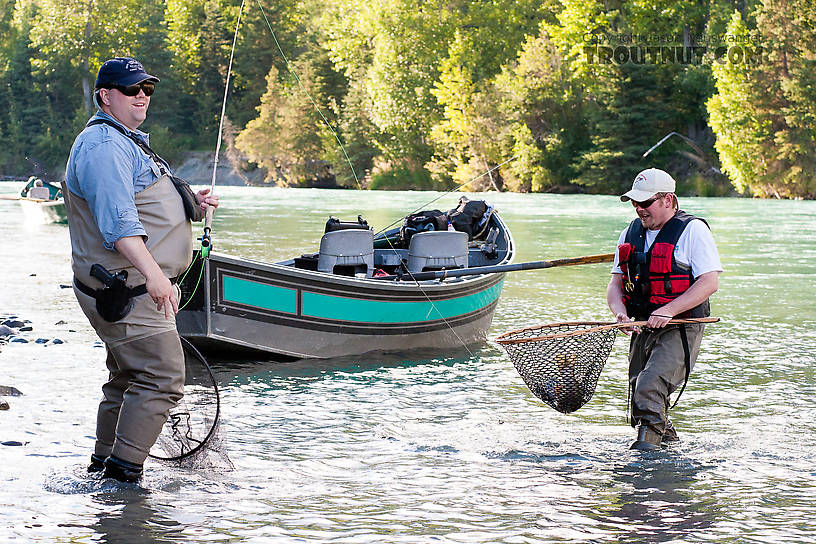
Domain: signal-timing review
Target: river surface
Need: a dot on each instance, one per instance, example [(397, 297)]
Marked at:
[(440, 447)]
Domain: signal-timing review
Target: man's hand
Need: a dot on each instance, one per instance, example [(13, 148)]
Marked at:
[(206, 201), (614, 297), (163, 294), (659, 319), (621, 317), (703, 287), (158, 286)]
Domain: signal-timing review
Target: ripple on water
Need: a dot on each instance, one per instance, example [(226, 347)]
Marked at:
[(433, 447)]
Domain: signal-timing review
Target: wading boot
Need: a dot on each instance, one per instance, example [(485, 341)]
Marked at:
[(97, 463), (647, 439), (122, 470), (670, 435)]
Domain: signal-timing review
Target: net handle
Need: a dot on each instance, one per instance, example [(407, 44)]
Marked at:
[(600, 327)]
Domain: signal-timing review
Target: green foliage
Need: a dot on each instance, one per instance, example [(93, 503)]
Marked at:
[(545, 117), (433, 94), (296, 127), (634, 115), (763, 112), (403, 178)]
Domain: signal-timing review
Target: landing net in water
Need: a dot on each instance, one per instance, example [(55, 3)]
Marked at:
[(191, 436), (561, 362)]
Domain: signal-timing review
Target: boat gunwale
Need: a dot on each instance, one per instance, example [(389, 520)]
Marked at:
[(370, 283)]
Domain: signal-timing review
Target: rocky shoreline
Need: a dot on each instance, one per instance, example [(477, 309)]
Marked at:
[(13, 329), (196, 168)]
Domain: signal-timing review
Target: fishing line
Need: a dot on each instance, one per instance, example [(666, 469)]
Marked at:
[(206, 242), (302, 88), (194, 420), (198, 281), (446, 193), (357, 181), (226, 92), (416, 282)]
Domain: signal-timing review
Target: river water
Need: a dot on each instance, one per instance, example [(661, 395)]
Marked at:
[(442, 447)]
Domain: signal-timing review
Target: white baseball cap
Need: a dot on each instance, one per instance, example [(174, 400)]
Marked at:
[(648, 183)]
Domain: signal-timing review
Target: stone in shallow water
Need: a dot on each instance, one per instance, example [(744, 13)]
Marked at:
[(8, 391), (3, 404), (6, 331), (11, 443), (13, 323)]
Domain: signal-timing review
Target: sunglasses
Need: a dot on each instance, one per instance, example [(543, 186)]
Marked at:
[(132, 90), (646, 203)]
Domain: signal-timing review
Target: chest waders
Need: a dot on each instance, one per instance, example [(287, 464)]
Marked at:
[(652, 278)]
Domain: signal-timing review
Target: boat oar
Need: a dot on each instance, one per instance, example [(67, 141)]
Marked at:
[(9, 197), (533, 265)]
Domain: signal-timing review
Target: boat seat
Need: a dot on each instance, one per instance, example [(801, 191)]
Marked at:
[(40, 193), (348, 252), (436, 250)]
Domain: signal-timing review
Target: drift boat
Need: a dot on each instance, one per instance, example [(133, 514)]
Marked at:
[(42, 202), (356, 294)]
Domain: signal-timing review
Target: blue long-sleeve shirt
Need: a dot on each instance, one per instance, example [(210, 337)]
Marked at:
[(107, 170)]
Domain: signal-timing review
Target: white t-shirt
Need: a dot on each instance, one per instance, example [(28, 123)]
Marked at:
[(695, 248)]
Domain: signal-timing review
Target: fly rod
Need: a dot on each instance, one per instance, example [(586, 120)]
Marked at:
[(206, 241)]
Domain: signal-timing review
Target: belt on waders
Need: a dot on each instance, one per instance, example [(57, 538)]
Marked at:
[(132, 291)]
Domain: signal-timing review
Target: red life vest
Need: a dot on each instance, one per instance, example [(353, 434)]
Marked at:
[(654, 278)]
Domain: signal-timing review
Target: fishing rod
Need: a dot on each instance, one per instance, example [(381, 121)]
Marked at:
[(193, 422), (206, 240), (476, 270)]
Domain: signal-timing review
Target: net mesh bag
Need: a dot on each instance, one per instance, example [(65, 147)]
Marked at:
[(561, 362), (191, 435)]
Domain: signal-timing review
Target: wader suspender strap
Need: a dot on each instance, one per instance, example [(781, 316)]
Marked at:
[(161, 163), (188, 199), (687, 357)]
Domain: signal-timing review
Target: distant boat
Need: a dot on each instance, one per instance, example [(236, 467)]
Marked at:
[(42, 202), (353, 296)]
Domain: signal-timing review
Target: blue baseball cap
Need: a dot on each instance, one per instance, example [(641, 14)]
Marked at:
[(123, 71)]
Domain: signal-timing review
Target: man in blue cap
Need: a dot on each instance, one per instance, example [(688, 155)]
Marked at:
[(666, 266), (127, 214)]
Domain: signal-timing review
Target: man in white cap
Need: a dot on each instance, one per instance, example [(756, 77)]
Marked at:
[(666, 266)]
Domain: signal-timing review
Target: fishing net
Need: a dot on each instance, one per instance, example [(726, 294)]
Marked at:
[(561, 362), (190, 435)]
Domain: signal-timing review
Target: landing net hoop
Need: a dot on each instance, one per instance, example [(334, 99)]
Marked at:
[(560, 362), (194, 420)]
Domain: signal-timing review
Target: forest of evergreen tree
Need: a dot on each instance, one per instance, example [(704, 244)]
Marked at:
[(552, 95)]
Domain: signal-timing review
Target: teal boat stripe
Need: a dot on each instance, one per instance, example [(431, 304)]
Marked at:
[(260, 295), (374, 311)]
